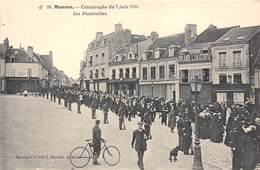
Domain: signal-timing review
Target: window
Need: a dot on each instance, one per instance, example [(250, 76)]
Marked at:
[(103, 55), (113, 74), (91, 74), (121, 73), (229, 79), (103, 72), (222, 97), (171, 71), (237, 78), (161, 72), (90, 60), (222, 79), (153, 73), (171, 51), (130, 56), (238, 98), (96, 74), (12, 59), (127, 73), (157, 54), (133, 72), (205, 74), (96, 58), (237, 58), (145, 73), (222, 59), (184, 75)]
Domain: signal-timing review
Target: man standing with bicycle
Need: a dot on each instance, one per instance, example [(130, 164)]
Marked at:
[(96, 132), (139, 139)]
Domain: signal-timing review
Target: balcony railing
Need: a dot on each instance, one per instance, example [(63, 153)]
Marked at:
[(195, 57)]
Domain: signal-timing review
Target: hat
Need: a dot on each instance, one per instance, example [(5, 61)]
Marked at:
[(140, 123), (97, 121)]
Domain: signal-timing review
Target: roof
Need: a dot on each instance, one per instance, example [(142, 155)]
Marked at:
[(211, 35), (21, 56), (137, 38), (47, 61), (165, 42), (239, 34)]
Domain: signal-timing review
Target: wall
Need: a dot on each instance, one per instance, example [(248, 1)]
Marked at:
[(101, 62), (21, 69), (118, 66), (230, 69), (157, 63)]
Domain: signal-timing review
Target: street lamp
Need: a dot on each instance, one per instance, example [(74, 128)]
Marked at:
[(196, 85)]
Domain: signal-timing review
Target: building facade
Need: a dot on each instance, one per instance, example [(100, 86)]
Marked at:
[(158, 68), (3, 49), (94, 68), (124, 67), (195, 60), (234, 56), (24, 70)]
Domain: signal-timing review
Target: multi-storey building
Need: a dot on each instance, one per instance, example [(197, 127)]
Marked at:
[(24, 70), (3, 49), (124, 66), (195, 60), (158, 67), (234, 58), (94, 68)]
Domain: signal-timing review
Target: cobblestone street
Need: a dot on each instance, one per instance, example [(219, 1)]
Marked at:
[(37, 127)]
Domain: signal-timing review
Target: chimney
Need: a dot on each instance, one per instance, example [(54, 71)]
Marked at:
[(190, 33), (154, 35), (30, 50), (6, 42), (99, 35), (50, 53), (118, 27)]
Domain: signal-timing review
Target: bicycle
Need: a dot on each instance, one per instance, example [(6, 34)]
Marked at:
[(80, 156)]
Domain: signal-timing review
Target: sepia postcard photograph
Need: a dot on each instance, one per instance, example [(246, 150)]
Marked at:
[(130, 84)]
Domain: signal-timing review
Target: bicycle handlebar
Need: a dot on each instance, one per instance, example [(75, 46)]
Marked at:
[(91, 140)]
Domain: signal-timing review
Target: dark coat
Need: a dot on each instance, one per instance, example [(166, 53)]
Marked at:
[(96, 132), (139, 140)]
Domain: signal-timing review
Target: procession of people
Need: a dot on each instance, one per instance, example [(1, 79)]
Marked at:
[(237, 125)]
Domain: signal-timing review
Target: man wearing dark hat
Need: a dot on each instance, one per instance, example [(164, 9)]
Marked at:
[(96, 132), (139, 139)]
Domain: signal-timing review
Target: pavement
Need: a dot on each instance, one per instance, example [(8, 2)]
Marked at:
[(38, 134)]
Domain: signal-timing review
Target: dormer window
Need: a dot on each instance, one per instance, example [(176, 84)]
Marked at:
[(118, 58), (171, 51), (145, 56), (157, 54), (130, 56), (12, 59)]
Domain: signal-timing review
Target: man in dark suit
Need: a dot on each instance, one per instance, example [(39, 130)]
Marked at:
[(96, 132), (139, 139)]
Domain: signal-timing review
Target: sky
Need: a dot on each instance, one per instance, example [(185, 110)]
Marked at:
[(67, 36)]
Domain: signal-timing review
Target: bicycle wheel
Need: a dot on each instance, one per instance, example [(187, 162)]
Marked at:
[(111, 155), (79, 157)]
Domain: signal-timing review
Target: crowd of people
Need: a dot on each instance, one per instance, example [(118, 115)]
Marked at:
[(238, 125)]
